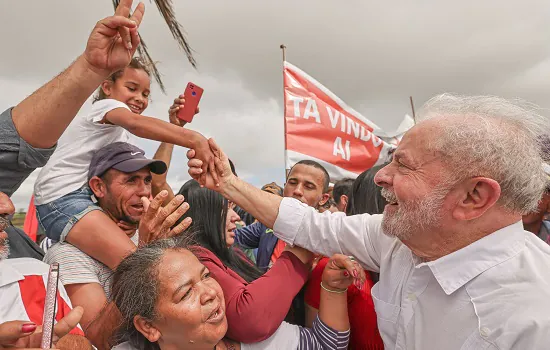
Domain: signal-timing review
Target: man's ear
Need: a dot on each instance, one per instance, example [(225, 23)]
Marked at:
[(146, 328), (546, 199), (323, 200), (344, 202), (98, 187), (476, 196)]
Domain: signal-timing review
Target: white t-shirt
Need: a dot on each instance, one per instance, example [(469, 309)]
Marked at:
[(67, 169)]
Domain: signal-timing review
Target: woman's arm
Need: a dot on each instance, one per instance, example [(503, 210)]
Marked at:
[(331, 328), (256, 310)]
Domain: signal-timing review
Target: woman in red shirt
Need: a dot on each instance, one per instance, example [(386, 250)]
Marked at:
[(365, 197), (256, 303)]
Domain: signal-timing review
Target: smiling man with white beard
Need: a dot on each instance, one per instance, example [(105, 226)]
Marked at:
[(457, 269)]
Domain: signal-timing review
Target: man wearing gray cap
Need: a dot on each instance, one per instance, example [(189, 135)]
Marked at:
[(119, 178)]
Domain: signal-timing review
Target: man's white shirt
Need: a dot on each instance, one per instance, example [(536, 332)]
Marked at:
[(492, 294)]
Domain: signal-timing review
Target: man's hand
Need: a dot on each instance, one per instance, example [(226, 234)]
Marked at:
[(179, 102), (114, 39), (157, 221), (26, 335), (204, 153), (129, 229), (222, 169)]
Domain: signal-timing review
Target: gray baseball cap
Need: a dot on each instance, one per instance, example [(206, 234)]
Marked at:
[(124, 157)]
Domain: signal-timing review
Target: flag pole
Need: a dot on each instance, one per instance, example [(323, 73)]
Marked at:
[(412, 108), (283, 49)]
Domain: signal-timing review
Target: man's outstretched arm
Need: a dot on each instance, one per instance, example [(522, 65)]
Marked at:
[(262, 205), (295, 222)]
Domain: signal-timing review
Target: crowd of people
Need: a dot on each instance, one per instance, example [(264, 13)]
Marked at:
[(445, 246)]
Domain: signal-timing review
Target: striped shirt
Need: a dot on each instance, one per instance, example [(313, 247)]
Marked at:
[(23, 292), (77, 267), (322, 336)]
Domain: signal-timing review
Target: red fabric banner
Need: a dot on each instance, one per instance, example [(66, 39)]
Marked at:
[(321, 127), (31, 221)]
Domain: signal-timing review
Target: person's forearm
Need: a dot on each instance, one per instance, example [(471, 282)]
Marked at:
[(333, 310), (53, 106), (164, 153), (262, 205), (159, 130)]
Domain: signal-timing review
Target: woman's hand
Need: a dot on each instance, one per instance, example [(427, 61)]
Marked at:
[(341, 271)]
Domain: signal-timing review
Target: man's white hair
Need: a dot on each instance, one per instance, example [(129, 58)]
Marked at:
[(495, 138)]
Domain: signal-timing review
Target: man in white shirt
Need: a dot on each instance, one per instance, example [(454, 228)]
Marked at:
[(457, 269)]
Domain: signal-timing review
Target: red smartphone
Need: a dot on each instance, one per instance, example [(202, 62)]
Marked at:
[(192, 94)]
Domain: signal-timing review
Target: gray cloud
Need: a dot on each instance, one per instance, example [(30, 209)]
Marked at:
[(372, 54)]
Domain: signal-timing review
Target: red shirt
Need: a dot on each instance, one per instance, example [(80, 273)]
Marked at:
[(362, 317), (256, 310), (278, 250)]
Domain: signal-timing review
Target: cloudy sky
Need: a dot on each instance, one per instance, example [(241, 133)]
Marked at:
[(371, 54)]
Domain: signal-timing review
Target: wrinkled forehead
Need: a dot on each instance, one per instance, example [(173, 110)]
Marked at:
[(418, 146)]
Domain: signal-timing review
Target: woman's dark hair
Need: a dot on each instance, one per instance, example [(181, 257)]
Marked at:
[(366, 196), (135, 63), (135, 290), (208, 209)]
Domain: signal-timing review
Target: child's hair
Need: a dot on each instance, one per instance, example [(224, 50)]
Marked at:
[(135, 63)]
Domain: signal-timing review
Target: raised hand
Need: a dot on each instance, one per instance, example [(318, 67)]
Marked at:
[(115, 39), (219, 175), (341, 271), (179, 102), (157, 221)]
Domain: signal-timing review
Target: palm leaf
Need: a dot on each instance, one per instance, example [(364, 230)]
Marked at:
[(166, 9)]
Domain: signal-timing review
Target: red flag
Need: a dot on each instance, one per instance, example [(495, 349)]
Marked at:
[(31, 222), (321, 127)]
